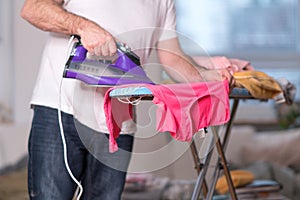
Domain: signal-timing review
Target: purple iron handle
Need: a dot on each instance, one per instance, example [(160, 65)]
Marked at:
[(80, 53)]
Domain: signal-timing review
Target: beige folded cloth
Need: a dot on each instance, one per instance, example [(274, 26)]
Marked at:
[(239, 178), (259, 84)]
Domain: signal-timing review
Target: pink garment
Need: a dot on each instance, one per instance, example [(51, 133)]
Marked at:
[(221, 62), (182, 109), (113, 119)]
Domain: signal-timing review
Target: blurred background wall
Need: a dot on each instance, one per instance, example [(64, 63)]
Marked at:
[(21, 49)]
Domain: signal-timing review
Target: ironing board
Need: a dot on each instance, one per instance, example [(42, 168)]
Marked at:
[(236, 94)]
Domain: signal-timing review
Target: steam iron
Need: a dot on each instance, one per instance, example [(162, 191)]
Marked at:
[(123, 68)]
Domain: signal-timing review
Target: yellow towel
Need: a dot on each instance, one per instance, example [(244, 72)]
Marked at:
[(239, 178), (259, 84)]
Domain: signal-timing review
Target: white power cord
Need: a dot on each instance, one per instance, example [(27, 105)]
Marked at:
[(129, 100), (63, 135)]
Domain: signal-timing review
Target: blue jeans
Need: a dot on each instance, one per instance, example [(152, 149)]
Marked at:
[(47, 174)]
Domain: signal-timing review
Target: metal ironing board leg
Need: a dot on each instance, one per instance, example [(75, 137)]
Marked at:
[(211, 190), (225, 142), (224, 165), (201, 177), (198, 165), (208, 191), (229, 125)]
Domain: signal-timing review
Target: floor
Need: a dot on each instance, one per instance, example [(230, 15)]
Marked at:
[(14, 186)]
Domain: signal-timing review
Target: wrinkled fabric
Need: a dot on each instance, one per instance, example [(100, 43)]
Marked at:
[(239, 178), (259, 84), (289, 91), (222, 62), (182, 109), (114, 119)]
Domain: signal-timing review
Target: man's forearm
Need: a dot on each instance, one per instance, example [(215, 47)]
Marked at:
[(182, 68), (49, 15), (176, 64)]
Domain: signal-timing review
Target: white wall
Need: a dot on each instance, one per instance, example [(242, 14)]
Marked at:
[(6, 54), (26, 45)]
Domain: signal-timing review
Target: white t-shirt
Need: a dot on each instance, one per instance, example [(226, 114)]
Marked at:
[(132, 22)]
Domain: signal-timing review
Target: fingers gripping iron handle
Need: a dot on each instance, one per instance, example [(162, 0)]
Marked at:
[(81, 51)]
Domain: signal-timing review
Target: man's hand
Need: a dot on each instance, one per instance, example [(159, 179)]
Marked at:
[(217, 75), (93, 37), (96, 40)]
